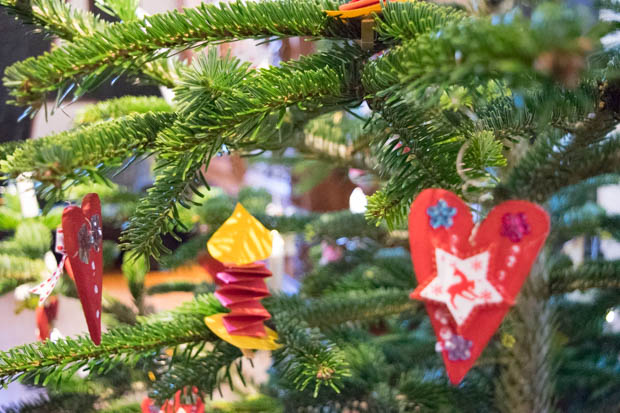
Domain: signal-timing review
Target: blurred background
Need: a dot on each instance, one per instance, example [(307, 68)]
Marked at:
[(272, 185)]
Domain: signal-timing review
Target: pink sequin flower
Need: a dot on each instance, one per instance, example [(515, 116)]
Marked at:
[(515, 226)]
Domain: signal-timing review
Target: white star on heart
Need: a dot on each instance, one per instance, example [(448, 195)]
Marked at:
[(461, 284)]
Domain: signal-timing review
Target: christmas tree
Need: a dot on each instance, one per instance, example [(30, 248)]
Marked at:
[(492, 101)]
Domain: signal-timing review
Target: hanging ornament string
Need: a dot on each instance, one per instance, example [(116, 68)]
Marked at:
[(479, 183), (88, 237), (468, 182), (45, 288)]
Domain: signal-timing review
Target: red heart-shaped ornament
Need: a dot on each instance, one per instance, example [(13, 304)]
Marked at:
[(83, 246), (467, 280)]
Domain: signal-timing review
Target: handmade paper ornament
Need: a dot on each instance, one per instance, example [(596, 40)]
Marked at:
[(358, 8), (79, 240), (233, 251), (469, 276), (192, 403), (83, 245)]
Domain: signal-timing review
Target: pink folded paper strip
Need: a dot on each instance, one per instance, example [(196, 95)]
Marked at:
[(240, 289), (230, 277), (246, 318), (228, 298)]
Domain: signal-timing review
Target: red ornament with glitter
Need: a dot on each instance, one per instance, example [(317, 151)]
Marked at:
[(79, 240), (469, 276), (83, 245)]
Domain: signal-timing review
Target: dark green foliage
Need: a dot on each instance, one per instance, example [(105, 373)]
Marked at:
[(591, 274), (521, 104), (204, 372)]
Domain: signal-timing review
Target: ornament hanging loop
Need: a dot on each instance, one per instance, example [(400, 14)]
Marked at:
[(468, 182), (479, 183)]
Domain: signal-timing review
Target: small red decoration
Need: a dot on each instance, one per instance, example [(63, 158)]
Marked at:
[(467, 280), (83, 246), (44, 317), (196, 404), (240, 288)]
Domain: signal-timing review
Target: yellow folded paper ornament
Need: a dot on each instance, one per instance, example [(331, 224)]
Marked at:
[(241, 239), (216, 325)]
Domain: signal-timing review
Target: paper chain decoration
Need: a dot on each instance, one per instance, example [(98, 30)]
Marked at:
[(240, 289), (469, 278), (233, 251), (79, 240)]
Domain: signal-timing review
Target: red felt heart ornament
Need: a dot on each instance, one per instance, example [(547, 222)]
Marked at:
[(83, 246), (467, 280)]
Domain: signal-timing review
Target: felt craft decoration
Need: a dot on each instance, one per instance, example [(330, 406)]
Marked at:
[(79, 240), (83, 246), (233, 251), (469, 276), (358, 8)]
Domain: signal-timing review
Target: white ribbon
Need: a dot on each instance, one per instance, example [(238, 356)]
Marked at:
[(44, 289)]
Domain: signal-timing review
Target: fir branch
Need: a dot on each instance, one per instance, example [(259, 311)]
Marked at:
[(518, 51), (57, 17), (338, 139), (588, 218), (408, 20), (221, 102), (50, 361), (578, 194), (336, 309), (382, 273), (428, 396), (336, 225), (125, 47), (308, 358), (61, 160), (172, 286), (532, 321), (206, 373), (120, 107), (61, 19), (7, 148), (591, 274), (10, 284), (21, 269), (552, 164)]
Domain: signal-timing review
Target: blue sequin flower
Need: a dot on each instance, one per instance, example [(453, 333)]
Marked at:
[(458, 347), (441, 214)]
